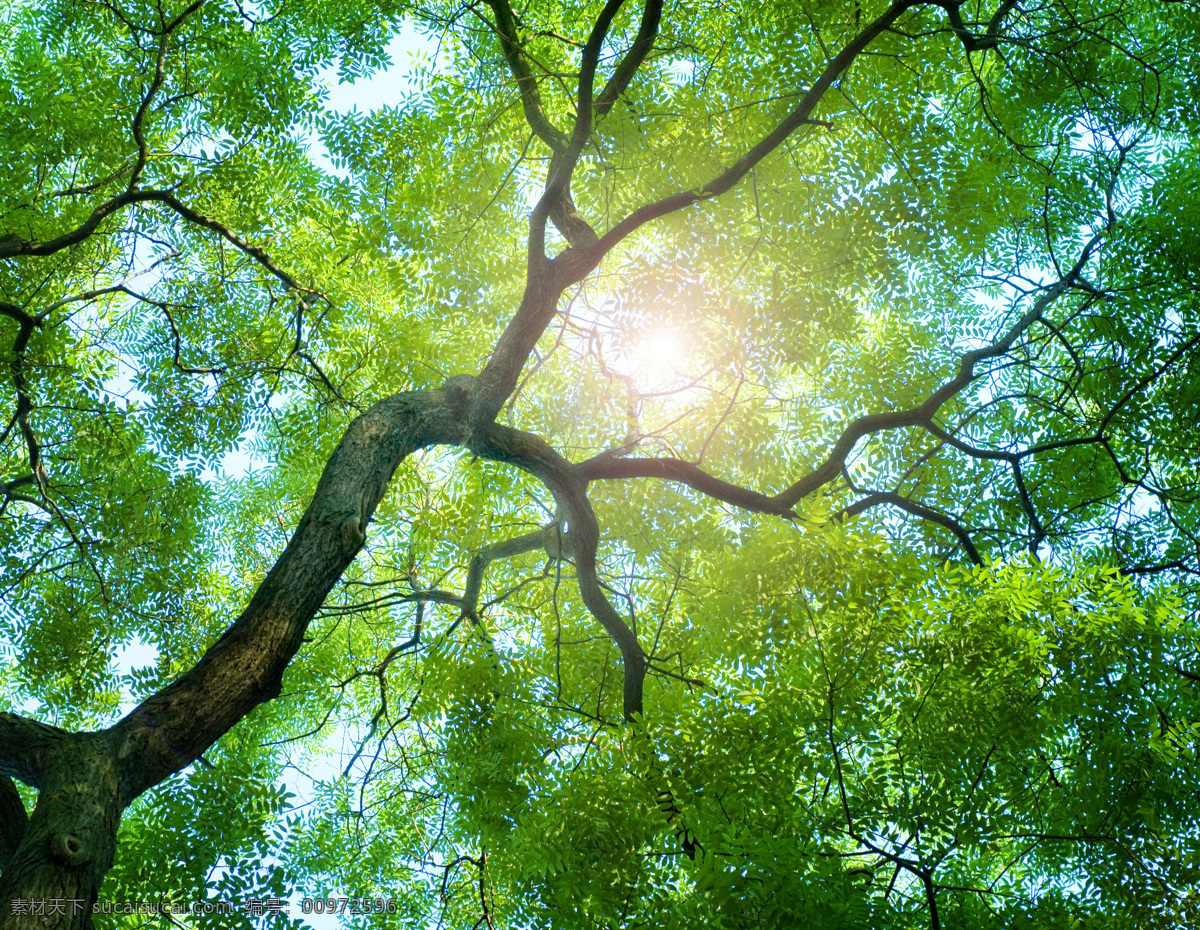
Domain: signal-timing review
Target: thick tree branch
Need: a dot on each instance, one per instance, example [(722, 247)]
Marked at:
[(972, 42), (604, 467), (608, 467), (582, 535), (245, 666), (70, 838), (556, 201), (25, 745), (24, 320), (241, 670), (27, 324), (527, 451), (546, 281), (585, 534), (565, 215), (488, 392), (587, 72), (529, 542)]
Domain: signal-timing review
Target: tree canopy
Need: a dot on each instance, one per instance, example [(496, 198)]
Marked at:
[(715, 462)]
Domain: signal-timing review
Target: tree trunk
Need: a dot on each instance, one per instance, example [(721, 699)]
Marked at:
[(52, 879), (85, 780)]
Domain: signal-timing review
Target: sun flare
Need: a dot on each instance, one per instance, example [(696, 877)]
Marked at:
[(659, 356)]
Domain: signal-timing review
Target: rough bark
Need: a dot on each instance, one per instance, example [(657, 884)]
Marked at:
[(69, 843), (13, 820), (245, 666)]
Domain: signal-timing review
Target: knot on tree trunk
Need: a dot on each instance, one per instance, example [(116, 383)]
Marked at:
[(68, 849), (352, 532), (460, 392)]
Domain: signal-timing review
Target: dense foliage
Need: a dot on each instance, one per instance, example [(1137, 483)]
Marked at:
[(838, 379)]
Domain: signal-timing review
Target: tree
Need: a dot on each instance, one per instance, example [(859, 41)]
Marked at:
[(725, 462)]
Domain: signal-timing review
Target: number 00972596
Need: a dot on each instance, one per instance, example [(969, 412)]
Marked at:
[(348, 905)]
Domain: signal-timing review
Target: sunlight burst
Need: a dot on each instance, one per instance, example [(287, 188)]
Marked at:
[(659, 356)]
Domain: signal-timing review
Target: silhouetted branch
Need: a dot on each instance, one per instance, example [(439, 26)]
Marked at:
[(139, 118), (627, 67), (527, 87), (971, 41), (529, 542), (875, 498), (924, 413), (588, 258), (603, 467)]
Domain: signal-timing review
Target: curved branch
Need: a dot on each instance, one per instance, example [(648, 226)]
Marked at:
[(156, 84), (24, 408), (875, 498), (582, 534), (546, 280), (799, 116), (24, 320), (167, 199), (15, 246), (972, 42), (560, 207), (25, 747), (627, 67), (782, 504), (529, 542), (21, 417), (923, 414), (245, 666), (1014, 462), (602, 467), (527, 87), (586, 534), (556, 201)]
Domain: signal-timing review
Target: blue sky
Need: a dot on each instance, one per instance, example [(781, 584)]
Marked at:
[(404, 51)]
